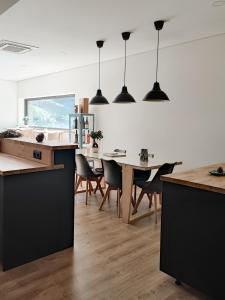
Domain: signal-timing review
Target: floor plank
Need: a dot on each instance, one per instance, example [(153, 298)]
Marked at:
[(110, 260)]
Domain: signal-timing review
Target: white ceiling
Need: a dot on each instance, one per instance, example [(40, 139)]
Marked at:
[(66, 30)]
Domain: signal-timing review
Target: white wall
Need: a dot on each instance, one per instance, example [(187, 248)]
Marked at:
[(189, 128), (8, 104)]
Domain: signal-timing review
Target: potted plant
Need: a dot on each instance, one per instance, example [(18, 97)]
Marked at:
[(96, 135)]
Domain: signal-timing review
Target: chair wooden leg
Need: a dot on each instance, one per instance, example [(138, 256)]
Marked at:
[(90, 188), (104, 198), (76, 178), (138, 202), (98, 183), (150, 200), (155, 207), (135, 193), (95, 190), (132, 201), (86, 191), (118, 203), (98, 187), (109, 196), (78, 182)]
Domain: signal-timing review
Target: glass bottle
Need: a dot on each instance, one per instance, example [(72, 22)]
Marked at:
[(83, 137), (88, 137), (75, 123), (86, 123), (82, 122), (76, 137)]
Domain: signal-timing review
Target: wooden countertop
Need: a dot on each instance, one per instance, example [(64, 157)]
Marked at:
[(199, 178), (51, 145), (11, 165)]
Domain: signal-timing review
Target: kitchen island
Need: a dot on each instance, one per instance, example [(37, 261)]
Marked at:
[(193, 229), (36, 199)]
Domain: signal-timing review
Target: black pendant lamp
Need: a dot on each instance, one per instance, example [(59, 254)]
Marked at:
[(99, 99), (124, 96), (156, 94)]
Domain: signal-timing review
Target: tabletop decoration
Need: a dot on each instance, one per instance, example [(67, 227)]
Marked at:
[(96, 135)]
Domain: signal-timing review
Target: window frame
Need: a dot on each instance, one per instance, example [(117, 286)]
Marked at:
[(27, 100)]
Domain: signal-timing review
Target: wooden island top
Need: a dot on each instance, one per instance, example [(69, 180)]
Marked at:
[(199, 178), (11, 165), (17, 155), (52, 145)]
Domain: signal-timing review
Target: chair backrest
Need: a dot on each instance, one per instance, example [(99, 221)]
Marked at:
[(163, 170), (82, 167), (112, 173)]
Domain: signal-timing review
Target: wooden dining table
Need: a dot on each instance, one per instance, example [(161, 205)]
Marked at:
[(129, 163)]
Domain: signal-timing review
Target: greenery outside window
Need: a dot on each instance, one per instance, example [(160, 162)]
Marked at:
[(49, 112)]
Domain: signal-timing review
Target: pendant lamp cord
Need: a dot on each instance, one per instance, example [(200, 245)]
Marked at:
[(99, 68), (157, 59), (125, 64)]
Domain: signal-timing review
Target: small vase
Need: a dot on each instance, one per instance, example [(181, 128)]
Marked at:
[(95, 147), (144, 155)]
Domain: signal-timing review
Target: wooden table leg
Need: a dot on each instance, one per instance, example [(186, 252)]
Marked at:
[(126, 192)]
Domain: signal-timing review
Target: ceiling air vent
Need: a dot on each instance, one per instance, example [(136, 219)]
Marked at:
[(14, 47)]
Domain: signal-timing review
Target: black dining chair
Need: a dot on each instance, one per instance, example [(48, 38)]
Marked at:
[(154, 187), (140, 175), (85, 173), (113, 178)]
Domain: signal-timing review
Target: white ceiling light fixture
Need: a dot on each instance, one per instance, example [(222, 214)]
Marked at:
[(218, 3), (14, 47)]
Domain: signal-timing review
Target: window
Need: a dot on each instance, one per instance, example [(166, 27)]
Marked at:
[(50, 112)]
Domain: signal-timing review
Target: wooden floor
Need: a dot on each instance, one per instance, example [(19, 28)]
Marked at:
[(110, 260)]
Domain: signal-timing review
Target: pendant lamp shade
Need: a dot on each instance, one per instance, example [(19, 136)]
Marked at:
[(156, 94), (124, 96), (99, 99)]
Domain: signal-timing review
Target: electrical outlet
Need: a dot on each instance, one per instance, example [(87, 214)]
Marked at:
[(37, 154)]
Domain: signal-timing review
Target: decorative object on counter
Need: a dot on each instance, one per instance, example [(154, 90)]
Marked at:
[(156, 94), (10, 134), (25, 120), (40, 137), (83, 105), (124, 96), (120, 151), (99, 99), (218, 172), (115, 154), (96, 135), (144, 155)]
